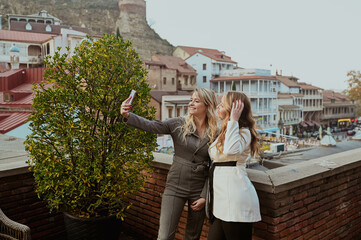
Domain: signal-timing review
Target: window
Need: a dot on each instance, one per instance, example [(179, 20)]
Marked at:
[(170, 111), (28, 27), (178, 112), (221, 87), (173, 81), (185, 110), (47, 48), (164, 80), (204, 66), (204, 78), (7, 97), (185, 80)]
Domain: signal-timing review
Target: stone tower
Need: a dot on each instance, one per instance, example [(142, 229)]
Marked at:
[(133, 26)]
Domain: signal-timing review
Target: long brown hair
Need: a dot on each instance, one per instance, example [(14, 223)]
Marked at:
[(245, 121), (208, 97)]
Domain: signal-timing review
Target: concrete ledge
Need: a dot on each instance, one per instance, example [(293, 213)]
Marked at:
[(297, 174), (291, 176)]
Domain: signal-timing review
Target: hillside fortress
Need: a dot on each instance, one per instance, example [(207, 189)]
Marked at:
[(133, 26)]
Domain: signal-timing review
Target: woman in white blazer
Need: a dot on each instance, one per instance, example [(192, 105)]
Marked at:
[(233, 201)]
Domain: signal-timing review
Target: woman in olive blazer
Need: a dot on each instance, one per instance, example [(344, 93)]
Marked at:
[(186, 180)]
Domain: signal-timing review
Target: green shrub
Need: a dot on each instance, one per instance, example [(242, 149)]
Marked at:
[(85, 160)]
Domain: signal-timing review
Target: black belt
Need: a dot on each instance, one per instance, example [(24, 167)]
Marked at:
[(211, 193)]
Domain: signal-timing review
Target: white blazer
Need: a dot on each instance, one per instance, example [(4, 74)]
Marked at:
[(235, 198)]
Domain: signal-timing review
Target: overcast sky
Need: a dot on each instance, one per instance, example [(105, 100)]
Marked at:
[(318, 41)]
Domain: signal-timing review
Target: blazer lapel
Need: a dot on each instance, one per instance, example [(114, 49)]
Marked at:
[(204, 141)]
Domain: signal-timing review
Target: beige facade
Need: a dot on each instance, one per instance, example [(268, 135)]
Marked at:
[(312, 102), (168, 73), (161, 78), (170, 104), (338, 109), (181, 53)]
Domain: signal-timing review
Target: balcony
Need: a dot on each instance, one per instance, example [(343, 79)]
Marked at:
[(308, 109), (336, 116)]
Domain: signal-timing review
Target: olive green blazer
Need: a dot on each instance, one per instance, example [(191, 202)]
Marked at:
[(189, 170)]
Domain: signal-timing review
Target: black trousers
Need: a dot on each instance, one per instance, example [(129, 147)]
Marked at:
[(221, 230)]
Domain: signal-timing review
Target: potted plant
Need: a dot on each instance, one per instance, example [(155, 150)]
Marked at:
[(85, 161)]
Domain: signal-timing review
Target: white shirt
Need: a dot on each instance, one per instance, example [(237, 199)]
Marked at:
[(235, 198)]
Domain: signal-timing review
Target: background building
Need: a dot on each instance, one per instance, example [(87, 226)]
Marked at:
[(338, 109), (208, 63)]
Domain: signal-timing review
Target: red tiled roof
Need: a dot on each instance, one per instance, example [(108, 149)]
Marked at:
[(254, 77), (156, 63), (27, 100), (308, 86), (29, 37), (288, 82), (329, 94), (211, 53), (12, 120), (10, 72), (175, 63), (25, 87)]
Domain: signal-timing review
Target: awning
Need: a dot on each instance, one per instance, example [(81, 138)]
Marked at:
[(303, 124), (316, 123), (271, 130), (309, 123)]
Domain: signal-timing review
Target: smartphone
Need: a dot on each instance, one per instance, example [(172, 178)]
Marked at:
[(132, 95)]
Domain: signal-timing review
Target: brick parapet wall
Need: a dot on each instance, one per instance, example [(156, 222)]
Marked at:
[(315, 199), (21, 204)]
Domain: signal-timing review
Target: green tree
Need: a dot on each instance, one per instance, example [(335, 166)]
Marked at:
[(118, 33), (85, 160), (233, 87), (354, 88)]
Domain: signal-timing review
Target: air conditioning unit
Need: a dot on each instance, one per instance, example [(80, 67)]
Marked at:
[(277, 147)]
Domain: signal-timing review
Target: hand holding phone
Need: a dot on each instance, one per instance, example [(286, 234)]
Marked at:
[(131, 96)]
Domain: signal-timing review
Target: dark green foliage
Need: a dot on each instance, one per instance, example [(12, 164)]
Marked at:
[(233, 87), (85, 160)]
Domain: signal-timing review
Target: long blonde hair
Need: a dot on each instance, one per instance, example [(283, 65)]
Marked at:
[(245, 121), (208, 97)]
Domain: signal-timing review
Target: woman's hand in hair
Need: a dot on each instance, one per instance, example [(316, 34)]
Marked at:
[(237, 108), (125, 108)]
